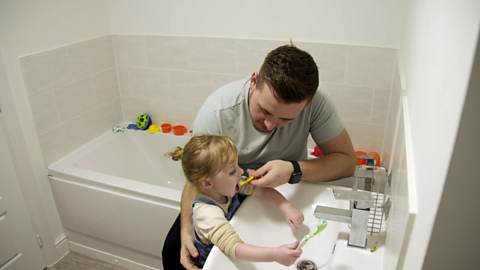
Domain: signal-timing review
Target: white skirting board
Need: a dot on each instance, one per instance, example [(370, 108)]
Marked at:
[(109, 258), (61, 246)]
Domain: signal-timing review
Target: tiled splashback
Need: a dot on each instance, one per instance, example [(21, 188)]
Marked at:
[(73, 94), (75, 91), (170, 78)]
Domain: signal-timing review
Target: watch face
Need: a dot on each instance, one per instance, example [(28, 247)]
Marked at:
[(296, 177), (297, 173)]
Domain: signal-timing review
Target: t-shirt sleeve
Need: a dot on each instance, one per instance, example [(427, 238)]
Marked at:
[(213, 228), (325, 123), (206, 121), (248, 189)]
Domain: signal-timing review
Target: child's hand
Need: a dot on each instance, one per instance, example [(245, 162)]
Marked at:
[(294, 217), (286, 254)]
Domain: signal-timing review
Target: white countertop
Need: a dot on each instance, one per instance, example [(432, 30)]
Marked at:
[(259, 223)]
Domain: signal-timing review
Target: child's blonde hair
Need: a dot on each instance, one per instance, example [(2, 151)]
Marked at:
[(201, 154)]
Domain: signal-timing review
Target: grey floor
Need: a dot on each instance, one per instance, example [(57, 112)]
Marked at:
[(75, 261)]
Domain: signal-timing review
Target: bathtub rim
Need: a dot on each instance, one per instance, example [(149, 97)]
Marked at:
[(65, 169)]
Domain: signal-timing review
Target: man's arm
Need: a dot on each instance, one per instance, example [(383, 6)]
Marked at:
[(337, 162), (205, 123), (186, 229)]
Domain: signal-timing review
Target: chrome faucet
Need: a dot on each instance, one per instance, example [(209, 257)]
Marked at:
[(359, 212)]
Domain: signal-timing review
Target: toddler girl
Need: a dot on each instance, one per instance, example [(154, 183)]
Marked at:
[(210, 163)]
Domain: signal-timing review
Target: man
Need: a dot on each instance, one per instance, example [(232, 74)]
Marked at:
[(269, 117)]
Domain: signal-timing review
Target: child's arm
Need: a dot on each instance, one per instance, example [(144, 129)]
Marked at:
[(210, 223), (294, 217), (285, 254)]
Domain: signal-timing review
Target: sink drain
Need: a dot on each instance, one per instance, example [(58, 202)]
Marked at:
[(306, 265)]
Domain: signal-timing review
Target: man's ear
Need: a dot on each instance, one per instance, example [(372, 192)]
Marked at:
[(253, 80), (205, 184)]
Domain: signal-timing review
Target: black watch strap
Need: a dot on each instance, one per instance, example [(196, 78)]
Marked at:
[(297, 173)]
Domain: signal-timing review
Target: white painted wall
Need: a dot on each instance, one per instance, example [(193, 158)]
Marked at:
[(437, 51), (367, 22), (460, 197), (28, 27)]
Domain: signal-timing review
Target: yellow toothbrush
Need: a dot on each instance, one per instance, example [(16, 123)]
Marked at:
[(246, 181)]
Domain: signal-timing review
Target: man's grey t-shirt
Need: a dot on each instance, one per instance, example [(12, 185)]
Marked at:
[(226, 112)]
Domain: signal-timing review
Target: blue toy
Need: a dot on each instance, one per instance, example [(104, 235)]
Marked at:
[(133, 126), (143, 121)]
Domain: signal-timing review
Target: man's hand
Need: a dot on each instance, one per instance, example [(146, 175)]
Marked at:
[(273, 174), (187, 251)]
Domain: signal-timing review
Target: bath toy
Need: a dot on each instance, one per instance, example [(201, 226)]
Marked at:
[(118, 129), (133, 126), (179, 130), (166, 128), (143, 121), (316, 152), (360, 161), (152, 129), (377, 158)]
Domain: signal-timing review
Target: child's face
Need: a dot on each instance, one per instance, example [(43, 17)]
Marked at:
[(226, 182)]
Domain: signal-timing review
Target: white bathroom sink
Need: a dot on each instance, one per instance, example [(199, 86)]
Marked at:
[(259, 223)]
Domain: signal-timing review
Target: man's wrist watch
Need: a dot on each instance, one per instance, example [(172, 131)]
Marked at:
[(297, 173)]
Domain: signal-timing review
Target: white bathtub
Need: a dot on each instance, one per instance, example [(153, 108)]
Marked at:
[(117, 197)]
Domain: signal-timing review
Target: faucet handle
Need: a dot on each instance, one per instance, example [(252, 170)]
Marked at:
[(360, 199), (342, 194)]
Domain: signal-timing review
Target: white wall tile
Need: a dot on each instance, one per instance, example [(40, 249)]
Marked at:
[(61, 140), (381, 100), (167, 52), (251, 53), (366, 137), (109, 53), (46, 71), (98, 121), (87, 58), (212, 54), (220, 80), (353, 103), (124, 81), (173, 112), (170, 78), (330, 58), (149, 83), (74, 99), (105, 86), (130, 51), (133, 107), (191, 86), (394, 105), (368, 66), (117, 111), (44, 112)]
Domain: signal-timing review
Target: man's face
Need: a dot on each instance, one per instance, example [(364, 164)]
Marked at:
[(266, 111)]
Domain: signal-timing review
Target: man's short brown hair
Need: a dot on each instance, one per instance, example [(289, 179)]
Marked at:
[(291, 72)]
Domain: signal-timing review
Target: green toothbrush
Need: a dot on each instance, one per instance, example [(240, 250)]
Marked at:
[(307, 237)]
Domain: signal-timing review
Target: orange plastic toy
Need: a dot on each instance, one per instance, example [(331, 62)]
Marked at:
[(377, 158), (360, 161), (179, 130), (317, 152), (166, 128)]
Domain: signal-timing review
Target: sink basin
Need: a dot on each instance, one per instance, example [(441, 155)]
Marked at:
[(257, 222)]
